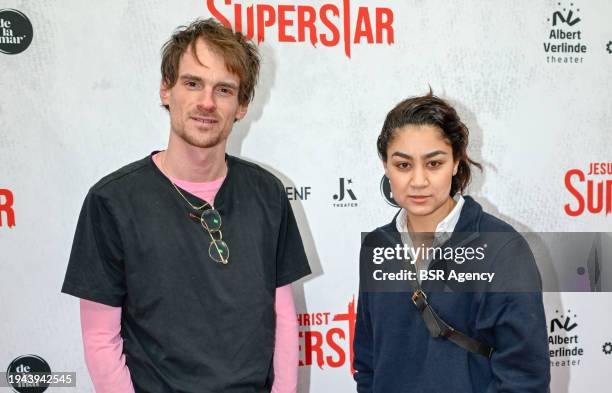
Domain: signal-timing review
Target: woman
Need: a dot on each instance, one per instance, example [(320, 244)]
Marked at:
[(492, 339)]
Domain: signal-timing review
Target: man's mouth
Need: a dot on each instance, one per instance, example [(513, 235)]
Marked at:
[(204, 120)]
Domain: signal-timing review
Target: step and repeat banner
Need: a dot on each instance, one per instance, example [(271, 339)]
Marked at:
[(79, 85)]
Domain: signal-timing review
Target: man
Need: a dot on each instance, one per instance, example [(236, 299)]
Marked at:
[(182, 258)]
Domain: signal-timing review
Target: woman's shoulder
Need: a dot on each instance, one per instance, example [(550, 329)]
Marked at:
[(490, 223), (381, 235), (472, 215)]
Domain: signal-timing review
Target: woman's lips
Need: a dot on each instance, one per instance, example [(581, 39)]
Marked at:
[(418, 198)]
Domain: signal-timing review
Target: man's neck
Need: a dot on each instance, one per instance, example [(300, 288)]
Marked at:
[(193, 164)]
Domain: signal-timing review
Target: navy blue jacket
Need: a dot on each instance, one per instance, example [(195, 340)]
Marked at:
[(394, 353)]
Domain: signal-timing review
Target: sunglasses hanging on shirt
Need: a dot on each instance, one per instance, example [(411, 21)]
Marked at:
[(210, 219)]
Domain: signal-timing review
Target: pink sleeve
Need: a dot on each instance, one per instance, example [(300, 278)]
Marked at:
[(286, 345), (101, 326)]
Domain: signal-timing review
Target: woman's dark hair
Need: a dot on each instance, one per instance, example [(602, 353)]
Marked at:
[(432, 111)]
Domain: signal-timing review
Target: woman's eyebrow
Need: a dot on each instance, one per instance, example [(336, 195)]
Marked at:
[(425, 156)]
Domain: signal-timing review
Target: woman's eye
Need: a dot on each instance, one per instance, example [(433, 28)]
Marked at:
[(403, 165), (434, 164)]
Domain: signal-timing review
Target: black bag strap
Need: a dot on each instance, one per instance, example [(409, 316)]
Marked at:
[(440, 329), (435, 325)]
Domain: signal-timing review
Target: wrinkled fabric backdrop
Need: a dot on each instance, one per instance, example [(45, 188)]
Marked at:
[(82, 100)]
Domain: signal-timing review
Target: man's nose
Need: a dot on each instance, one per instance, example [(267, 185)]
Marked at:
[(206, 100)]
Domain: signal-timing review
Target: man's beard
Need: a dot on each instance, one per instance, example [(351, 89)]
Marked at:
[(202, 139)]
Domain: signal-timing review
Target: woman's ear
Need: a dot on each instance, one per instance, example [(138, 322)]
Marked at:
[(456, 168)]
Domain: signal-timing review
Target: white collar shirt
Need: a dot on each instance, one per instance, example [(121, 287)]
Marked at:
[(444, 229)]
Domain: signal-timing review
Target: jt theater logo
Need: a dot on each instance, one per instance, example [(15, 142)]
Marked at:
[(330, 24), (564, 41), (564, 341), (345, 196), (591, 191), (15, 32), (326, 339), (6, 208)]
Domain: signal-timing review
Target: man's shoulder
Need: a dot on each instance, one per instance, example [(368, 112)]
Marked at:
[(129, 174), (256, 173)]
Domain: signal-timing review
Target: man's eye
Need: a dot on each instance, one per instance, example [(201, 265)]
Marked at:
[(225, 91), (191, 84), (403, 165)]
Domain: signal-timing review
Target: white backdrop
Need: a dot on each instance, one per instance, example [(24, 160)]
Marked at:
[(82, 101)]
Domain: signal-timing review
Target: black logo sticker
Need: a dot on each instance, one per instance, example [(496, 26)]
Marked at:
[(23, 374), (15, 32)]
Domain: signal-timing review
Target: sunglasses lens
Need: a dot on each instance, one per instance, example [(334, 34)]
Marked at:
[(219, 251), (211, 219)]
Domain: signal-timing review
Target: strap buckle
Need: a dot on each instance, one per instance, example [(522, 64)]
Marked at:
[(418, 294)]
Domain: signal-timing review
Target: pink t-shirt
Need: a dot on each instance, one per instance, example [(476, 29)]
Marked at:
[(103, 345)]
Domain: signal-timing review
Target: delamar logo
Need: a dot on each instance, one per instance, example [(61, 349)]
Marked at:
[(564, 44), (15, 32), (23, 366)]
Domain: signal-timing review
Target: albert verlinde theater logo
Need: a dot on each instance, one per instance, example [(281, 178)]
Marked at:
[(564, 44)]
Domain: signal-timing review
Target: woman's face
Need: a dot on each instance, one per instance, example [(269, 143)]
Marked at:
[(420, 167)]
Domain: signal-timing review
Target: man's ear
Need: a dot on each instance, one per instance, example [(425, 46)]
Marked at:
[(385, 168), (242, 111), (164, 93)]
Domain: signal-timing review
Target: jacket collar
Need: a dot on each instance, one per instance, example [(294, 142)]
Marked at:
[(471, 214), (467, 228)]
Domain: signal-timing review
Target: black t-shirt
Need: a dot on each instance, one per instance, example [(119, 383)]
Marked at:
[(189, 324)]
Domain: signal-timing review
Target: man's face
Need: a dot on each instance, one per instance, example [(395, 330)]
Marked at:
[(420, 168), (204, 100)]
